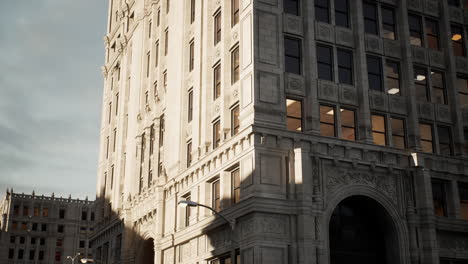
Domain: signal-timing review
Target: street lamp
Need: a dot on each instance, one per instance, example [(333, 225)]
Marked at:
[(73, 258), (185, 203)]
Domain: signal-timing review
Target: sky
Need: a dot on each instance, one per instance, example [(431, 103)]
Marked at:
[(51, 53)]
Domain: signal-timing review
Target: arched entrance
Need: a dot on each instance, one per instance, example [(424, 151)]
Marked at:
[(147, 256), (362, 232)]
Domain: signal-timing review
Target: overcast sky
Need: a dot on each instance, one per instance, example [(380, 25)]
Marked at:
[(51, 52)]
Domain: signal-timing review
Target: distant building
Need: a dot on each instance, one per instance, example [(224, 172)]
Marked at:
[(36, 229)]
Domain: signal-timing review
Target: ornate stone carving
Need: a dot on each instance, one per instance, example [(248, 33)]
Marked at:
[(426, 111), (419, 54), (432, 7), (373, 44), (392, 48), (452, 241), (324, 32), (436, 58), (414, 4), (327, 90), (456, 14), (344, 37), (273, 225)]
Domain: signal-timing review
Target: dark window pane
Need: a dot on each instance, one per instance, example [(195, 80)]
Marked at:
[(292, 55), (291, 7), (294, 115), (439, 197), (370, 18), (341, 13), (415, 30)]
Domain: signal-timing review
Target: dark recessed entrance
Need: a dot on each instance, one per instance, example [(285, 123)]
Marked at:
[(361, 232), (148, 252)]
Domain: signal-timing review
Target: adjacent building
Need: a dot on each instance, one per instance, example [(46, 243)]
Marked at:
[(329, 131), (36, 229)]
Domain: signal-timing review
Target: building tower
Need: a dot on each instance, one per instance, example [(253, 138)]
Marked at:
[(330, 131)]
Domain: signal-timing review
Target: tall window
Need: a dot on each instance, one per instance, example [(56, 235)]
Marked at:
[(235, 185), (379, 131), (235, 65), (216, 134), (292, 53), (189, 153), (439, 197), (322, 10), (432, 34), (148, 62), (217, 81), (188, 210), (235, 121), (192, 11), (156, 54), (168, 4), (415, 27), (165, 80), (371, 25), (457, 40), (158, 18), (191, 55), (374, 73), (421, 85), (166, 41), (107, 147), (342, 13), (465, 133), (293, 115), (162, 129), (392, 77), (398, 133), (217, 28), (462, 84), (235, 12), (455, 3), (190, 106), (110, 112), (291, 7), (216, 195), (388, 23), (150, 25), (438, 87), (463, 192), (325, 62), (348, 124), (345, 66), (116, 103), (426, 138), (445, 140), (327, 121)]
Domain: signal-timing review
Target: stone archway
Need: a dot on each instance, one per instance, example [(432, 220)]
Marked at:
[(361, 231), (147, 252)]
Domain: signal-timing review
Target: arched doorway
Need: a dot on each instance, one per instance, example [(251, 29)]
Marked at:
[(148, 252), (362, 232)]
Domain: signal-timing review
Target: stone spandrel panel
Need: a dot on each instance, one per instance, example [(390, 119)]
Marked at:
[(344, 36), (443, 113), (374, 44), (456, 14), (247, 91), (295, 84), (432, 7), (419, 55), (392, 48), (247, 171), (324, 32), (269, 86), (268, 38), (378, 101), (348, 94), (271, 169), (292, 24), (452, 241), (168, 256), (246, 41), (462, 64), (426, 111), (397, 104), (247, 256), (436, 58), (327, 90), (273, 255), (415, 5)]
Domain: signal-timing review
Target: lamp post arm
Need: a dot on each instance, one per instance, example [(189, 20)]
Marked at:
[(231, 223)]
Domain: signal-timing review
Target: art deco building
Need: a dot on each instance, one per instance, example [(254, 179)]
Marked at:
[(330, 131), (36, 229)]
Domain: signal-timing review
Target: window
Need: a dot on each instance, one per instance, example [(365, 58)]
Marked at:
[(438, 87), (465, 132), (32, 254), (415, 27), (25, 211), (111, 181), (426, 138), (348, 124), (150, 25), (190, 106), (42, 241), (235, 68), (14, 225), (20, 253), (34, 226), (24, 226), (148, 62), (192, 11), (374, 73), (11, 253), (327, 121), (43, 227), (62, 213), (12, 239), (221, 260), (379, 132), (16, 209), (166, 41), (392, 77), (82, 244), (235, 185), (292, 53), (41, 255), (432, 34), (322, 11), (168, 4), (191, 55), (345, 66), (165, 80), (439, 197), (59, 242), (58, 256), (217, 28), (462, 84), (33, 241), (156, 54), (398, 133), (162, 128), (216, 196), (116, 103), (84, 215), (115, 140), (455, 3), (445, 140), (60, 228), (235, 12), (216, 134), (420, 83), (370, 18), (388, 23), (325, 63), (107, 147), (457, 40), (36, 211), (110, 112), (463, 192), (217, 81), (158, 18), (235, 121), (189, 153), (293, 115), (342, 13), (22, 240)]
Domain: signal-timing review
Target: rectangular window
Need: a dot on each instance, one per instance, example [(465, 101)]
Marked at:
[(235, 121), (20, 253), (59, 242), (379, 131), (217, 28), (457, 40), (45, 212), (32, 254), (11, 253), (439, 197), (432, 34), (420, 83), (190, 106), (25, 211), (445, 140), (116, 103), (111, 180), (294, 115), (235, 12), (292, 54), (438, 87), (12, 239), (345, 66), (463, 192), (166, 41), (191, 55), (217, 81), (216, 196), (168, 4), (82, 244), (465, 132), (41, 255), (165, 80), (192, 11), (415, 27), (58, 256), (426, 138), (325, 63), (322, 10), (388, 23), (291, 7), (36, 211), (162, 129), (158, 18), (60, 228), (235, 66), (462, 84), (216, 134), (327, 121), (150, 25), (392, 77), (156, 55), (348, 124), (62, 213), (371, 25), (235, 183), (110, 112), (148, 62), (16, 209), (342, 13), (374, 73), (398, 133), (189, 153), (115, 140), (107, 147)]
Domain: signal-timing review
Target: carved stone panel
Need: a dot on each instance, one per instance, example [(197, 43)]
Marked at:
[(419, 55), (426, 111), (443, 114), (462, 64), (325, 32), (272, 255), (392, 48), (436, 58), (397, 104), (295, 84), (270, 169), (348, 94), (374, 44), (456, 14), (269, 87), (378, 101), (268, 44), (344, 36), (415, 5), (431, 7), (292, 24), (452, 241), (327, 90)]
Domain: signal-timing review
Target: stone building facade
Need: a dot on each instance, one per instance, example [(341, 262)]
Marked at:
[(36, 229), (329, 131)]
